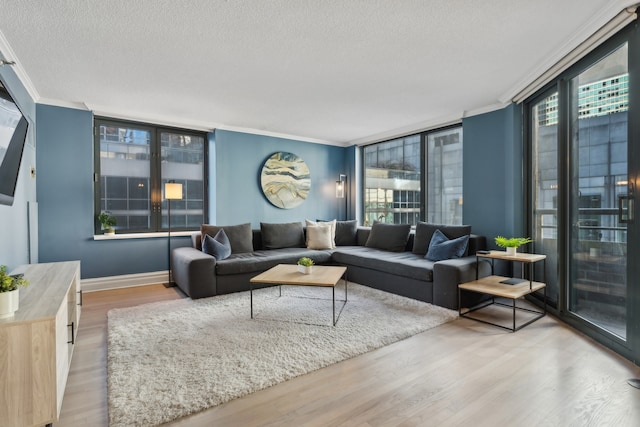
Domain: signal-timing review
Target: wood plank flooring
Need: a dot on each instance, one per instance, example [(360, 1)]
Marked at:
[(461, 373)]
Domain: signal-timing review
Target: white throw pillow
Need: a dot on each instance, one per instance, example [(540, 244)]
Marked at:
[(332, 225)]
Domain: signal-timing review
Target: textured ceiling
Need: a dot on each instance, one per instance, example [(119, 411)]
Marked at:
[(336, 71)]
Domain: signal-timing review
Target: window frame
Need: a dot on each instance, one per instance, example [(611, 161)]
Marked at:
[(156, 200), (422, 169), (630, 34)]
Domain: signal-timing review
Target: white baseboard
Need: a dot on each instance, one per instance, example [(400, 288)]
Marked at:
[(124, 281)]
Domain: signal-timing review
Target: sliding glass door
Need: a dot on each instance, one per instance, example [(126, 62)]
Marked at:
[(598, 115), (583, 162)]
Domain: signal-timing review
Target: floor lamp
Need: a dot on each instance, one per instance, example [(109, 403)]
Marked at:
[(172, 191), (341, 189)]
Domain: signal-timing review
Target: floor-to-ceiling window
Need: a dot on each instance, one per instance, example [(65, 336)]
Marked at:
[(598, 100), (544, 140), (444, 176), (418, 177), (580, 190)]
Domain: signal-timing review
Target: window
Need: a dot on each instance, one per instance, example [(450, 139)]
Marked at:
[(444, 176), (394, 184), (134, 161), (581, 179)]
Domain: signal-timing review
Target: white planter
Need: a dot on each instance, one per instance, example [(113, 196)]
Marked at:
[(9, 302), (304, 270), (511, 251)]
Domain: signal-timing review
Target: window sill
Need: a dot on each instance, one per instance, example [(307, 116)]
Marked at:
[(126, 236)]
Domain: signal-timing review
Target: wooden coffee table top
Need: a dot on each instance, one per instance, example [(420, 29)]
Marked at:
[(288, 274)]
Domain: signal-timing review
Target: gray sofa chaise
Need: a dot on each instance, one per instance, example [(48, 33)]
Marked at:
[(374, 256)]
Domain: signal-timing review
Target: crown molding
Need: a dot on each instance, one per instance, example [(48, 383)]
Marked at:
[(106, 111), (408, 130), (279, 135), (9, 55), (595, 24), (66, 104), (486, 109)]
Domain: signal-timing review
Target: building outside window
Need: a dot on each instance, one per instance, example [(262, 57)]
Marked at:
[(444, 176), (133, 163), (395, 190)]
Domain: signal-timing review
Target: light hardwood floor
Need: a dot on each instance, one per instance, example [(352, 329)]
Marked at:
[(461, 373)]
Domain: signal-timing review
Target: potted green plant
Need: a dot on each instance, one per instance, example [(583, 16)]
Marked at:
[(305, 265), (511, 244), (107, 221), (9, 292)]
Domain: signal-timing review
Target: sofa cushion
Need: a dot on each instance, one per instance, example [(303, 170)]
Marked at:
[(259, 261), (389, 237), (442, 248), (240, 236), (218, 246), (286, 235), (425, 230), (320, 236), (332, 226), (404, 264)]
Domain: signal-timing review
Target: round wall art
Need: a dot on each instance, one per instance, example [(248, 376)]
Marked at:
[(285, 180)]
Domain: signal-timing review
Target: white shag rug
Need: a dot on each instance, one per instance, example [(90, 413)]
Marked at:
[(169, 359)]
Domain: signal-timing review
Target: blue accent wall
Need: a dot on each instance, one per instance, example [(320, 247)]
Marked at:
[(14, 219), (239, 158), (492, 178), (66, 206), (492, 187)]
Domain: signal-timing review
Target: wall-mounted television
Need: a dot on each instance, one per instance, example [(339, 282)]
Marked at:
[(13, 133)]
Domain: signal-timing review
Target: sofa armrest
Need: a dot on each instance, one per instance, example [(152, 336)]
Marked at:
[(194, 272), (448, 274)]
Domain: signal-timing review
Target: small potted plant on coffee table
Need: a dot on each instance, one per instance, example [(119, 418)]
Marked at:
[(305, 265), (511, 244), (107, 221), (9, 295)]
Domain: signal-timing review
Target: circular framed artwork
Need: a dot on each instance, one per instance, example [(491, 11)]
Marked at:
[(285, 180)]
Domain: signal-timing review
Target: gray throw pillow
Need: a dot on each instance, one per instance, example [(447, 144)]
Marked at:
[(346, 232), (425, 230), (441, 248), (389, 237), (240, 236), (287, 235), (218, 246)]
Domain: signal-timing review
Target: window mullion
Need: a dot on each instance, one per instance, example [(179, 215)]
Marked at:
[(156, 182)]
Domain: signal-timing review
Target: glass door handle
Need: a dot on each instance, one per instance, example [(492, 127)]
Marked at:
[(625, 208)]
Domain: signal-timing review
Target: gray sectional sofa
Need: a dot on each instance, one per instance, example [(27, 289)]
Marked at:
[(373, 257)]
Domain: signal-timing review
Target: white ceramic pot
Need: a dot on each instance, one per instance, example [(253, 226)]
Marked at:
[(511, 251), (9, 302), (304, 270)]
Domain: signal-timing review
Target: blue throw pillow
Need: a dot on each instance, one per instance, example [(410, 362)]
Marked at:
[(218, 246), (441, 248)]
